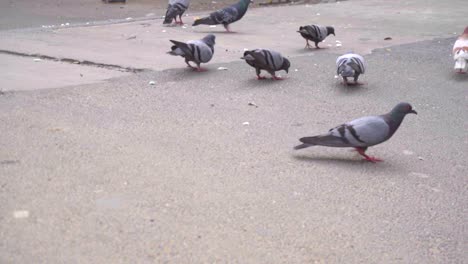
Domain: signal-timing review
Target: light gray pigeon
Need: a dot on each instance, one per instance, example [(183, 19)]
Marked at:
[(350, 65), (268, 60), (226, 15), (363, 132), (315, 33), (174, 9), (198, 51)]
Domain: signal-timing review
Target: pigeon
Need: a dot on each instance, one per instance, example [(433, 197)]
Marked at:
[(268, 60), (226, 15), (174, 9), (315, 33), (460, 52), (362, 133), (198, 51), (350, 65)]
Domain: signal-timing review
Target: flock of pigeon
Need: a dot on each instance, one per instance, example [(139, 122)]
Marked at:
[(360, 133)]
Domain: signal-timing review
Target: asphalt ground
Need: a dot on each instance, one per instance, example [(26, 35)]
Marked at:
[(124, 172)]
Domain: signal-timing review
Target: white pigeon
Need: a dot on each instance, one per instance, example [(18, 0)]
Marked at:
[(460, 52)]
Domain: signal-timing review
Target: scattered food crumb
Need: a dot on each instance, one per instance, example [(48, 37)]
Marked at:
[(222, 69), (246, 123), (163, 31), (129, 18), (388, 38), (420, 158), (296, 70), (408, 152), (252, 104), (336, 76), (37, 60), (20, 214), (338, 44), (212, 26), (152, 82), (246, 49)]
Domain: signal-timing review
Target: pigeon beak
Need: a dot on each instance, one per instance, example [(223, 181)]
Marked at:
[(413, 112)]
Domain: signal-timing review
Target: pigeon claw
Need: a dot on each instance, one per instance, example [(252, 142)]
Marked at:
[(277, 78), (372, 159), (261, 77)]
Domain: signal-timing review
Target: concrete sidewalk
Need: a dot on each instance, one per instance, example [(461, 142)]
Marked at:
[(360, 26)]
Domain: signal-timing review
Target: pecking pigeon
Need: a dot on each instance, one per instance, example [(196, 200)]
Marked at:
[(460, 52), (315, 33), (350, 65), (198, 51), (363, 132), (226, 15), (268, 60), (174, 9)]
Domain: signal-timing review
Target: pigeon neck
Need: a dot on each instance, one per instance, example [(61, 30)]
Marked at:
[(395, 120), (243, 4)]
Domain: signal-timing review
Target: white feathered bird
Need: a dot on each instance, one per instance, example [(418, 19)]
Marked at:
[(460, 52)]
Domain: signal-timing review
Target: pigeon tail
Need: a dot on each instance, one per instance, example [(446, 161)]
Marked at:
[(204, 21), (302, 146), (326, 140)]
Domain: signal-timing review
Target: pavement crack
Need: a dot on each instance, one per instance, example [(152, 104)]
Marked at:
[(74, 61)]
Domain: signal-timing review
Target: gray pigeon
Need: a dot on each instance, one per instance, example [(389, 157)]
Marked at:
[(350, 65), (315, 33), (198, 51), (226, 15), (268, 60), (363, 132), (174, 9)]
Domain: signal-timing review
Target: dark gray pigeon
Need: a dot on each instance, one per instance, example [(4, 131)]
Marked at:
[(174, 9), (268, 60), (315, 33), (198, 51), (350, 65), (363, 132), (226, 15)]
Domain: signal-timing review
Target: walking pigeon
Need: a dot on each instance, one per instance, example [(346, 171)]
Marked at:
[(174, 9), (226, 15), (315, 33), (198, 51), (363, 132), (460, 52), (268, 60), (350, 65)]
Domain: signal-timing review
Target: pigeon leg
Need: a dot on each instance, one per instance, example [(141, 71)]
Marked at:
[(180, 18), (277, 78), (356, 80), (190, 66), (307, 46), (345, 81), (199, 69), (316, 45), (226, 26), (258, 74), (362, 151)]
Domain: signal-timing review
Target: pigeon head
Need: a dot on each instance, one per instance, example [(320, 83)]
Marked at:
[(209, 40), (330, 30), (286, 65), (346, 70), (402, 109)]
